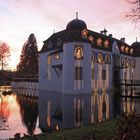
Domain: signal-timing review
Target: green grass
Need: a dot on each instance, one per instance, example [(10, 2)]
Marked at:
[(103, 131)]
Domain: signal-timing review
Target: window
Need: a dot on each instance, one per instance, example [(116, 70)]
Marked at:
[(50, 45), (84, 33), (92, 56), (100, 58), (127, 62), (91, 38), (103, 74), (49, 60), (107, 59), (122, 48), (123, 61), (99, 42), (56, 56), (126, 50), (106, 43), (78, 73), (92, 65), (78, 53), (131, 51), (49, 67)]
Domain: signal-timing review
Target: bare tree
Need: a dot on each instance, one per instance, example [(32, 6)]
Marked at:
[(134, 13), (4, 55)]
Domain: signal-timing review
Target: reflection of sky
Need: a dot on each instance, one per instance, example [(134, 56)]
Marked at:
[(19, 18), (11, 112)]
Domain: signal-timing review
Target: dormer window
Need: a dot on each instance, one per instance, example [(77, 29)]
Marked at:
[(84, 33), (106, 43), (122, 48), (126, 50), (58, 42), (99, 42), (131, 51), (91, 38), (50, 45)]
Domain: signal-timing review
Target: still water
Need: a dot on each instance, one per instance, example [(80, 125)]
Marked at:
[(22, 112)]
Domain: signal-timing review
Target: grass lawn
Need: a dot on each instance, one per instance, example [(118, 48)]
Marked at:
[(102, 131)]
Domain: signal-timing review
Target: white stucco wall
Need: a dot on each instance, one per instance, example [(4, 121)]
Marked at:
[(69, 68)]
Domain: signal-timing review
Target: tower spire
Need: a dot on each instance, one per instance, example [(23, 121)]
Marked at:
[(76, 15), (136, 39)]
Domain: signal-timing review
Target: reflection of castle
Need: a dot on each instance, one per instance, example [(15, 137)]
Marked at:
[(78, 60)]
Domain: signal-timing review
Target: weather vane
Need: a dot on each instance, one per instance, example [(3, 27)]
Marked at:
[(76, 15)]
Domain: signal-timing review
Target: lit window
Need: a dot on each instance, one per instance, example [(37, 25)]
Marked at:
[(122, 48), (99, 42), (106, 43), (49, 60), (126, 50), (131, 51), (100, 58), (91, 38), (84, 33), (107, 59), (78, 53), (56, 56)]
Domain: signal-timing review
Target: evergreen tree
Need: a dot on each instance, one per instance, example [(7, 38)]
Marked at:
[(28, 65)]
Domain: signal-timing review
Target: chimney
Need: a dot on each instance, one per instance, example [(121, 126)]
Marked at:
[(110, 35), (123, 40), (101, 32)]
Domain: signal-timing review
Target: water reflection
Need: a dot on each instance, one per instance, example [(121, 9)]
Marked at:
[(72, 110), (19, 111), (18, 114), (29, 112)]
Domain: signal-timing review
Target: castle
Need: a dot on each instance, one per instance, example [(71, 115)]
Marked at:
[(79, 60)]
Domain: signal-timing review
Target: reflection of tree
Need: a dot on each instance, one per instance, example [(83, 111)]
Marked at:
[(29, 112)]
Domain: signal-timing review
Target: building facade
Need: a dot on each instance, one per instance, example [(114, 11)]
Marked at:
[(79, 60)]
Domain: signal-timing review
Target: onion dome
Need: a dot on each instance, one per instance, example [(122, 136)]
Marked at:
[(136, 47), (76, 23)]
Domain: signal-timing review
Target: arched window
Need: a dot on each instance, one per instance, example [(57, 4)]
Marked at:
[(107, 59), (78, 53), (49, 67), (127, 62), (92, 65), (132, 63), (100, 58), (123, 61)]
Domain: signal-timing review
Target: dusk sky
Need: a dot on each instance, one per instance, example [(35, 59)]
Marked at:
[(19, 18)]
